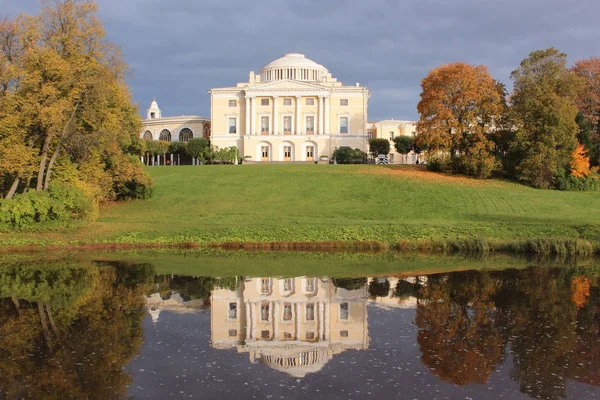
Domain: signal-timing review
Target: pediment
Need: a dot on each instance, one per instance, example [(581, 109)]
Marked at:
[(287, 84)]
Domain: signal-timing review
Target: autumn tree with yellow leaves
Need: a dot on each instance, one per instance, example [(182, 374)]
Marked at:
[(65, 110)]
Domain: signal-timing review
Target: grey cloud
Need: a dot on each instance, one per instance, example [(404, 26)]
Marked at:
[(179, 49)]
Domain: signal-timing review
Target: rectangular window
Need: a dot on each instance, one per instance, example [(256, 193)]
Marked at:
[(264, 311), (264, 125), (152, 115), (343, 333), (370, 135), (232, 103), (287, 102), (287, 312), (310, 282), (287, 336), (232, 310), (344, 311), (310, 336), (264, 102), (232, 332), (310, 311), (310, 101), (310, 124), (265, 334), (343, 102), (232, 125), (343, 124), (265, 283), (391, 135), (287, 123), (287, 283)]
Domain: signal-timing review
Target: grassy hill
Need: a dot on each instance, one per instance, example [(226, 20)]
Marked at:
[(261, 203)]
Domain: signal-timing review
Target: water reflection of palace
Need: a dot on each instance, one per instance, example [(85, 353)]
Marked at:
[(294, 325)]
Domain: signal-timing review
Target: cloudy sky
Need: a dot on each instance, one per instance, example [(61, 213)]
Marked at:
[(179, 49)]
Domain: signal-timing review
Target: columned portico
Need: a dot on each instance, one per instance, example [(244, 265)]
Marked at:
[(298, 116), (321, 122), (275, 116), (247, 131), (327, 126)]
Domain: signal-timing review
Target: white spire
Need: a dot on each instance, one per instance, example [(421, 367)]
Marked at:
[(153, 112)]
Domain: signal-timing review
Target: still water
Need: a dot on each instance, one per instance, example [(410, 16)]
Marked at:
[(110, 330)]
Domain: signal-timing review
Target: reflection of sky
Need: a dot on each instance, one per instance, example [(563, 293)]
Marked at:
[(176, 361)]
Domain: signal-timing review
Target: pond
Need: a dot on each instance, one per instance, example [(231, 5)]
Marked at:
[(139, 327)]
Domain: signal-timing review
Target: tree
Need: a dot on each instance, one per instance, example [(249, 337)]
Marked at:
[(580, 163), (64, 102), (403, 144), (543, 102), (588, 103), (459, 104), (198, 148), (379, 146)]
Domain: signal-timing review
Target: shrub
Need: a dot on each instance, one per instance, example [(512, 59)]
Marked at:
[(60, 203), (379, 146), (346, 155), (565, 181)]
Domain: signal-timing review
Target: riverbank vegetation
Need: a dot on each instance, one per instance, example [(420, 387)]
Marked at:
[(66, 119), (403, 207)]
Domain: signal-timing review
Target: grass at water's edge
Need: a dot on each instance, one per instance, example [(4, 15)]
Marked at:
[(469, 246)]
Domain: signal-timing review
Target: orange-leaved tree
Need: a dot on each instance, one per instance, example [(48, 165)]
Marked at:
[(459, 104), (580, 163)]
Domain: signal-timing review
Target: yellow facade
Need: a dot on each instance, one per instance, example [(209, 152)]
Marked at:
[(295, 325), (293, 111), (389, 129)]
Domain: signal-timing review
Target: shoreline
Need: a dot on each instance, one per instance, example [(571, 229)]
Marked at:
[(551, 246)]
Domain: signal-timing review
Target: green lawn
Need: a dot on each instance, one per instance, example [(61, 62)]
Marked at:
[(332, 202)]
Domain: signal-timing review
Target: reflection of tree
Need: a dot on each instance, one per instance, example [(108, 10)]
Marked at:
[(191, 287), (458, 337), (79, 350), (349, 283), (379, 287), (550, 318), (541, 320), (405, 289)]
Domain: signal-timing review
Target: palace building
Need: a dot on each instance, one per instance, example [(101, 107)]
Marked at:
[(293, 110), (173, 129)]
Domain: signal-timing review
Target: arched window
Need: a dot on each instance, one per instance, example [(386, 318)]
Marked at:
[(165, 135), (185, 134), (147, 135)]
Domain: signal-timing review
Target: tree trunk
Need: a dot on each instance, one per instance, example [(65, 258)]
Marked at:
[(45, 147), (13, 188), (45, 327), (51, 319), (63, 136), (16, 303)]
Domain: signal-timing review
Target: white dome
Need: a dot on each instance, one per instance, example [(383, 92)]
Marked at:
[(294, 60), (293, 66)]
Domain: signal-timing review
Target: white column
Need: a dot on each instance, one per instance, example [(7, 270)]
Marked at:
[(252, 116), (275, 321), (248, 321), (327, 126), (321, 320), (327, 313), (298, 117), (253, 320), (247, 132), (275, 116), (320, 115), (297, 316)]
